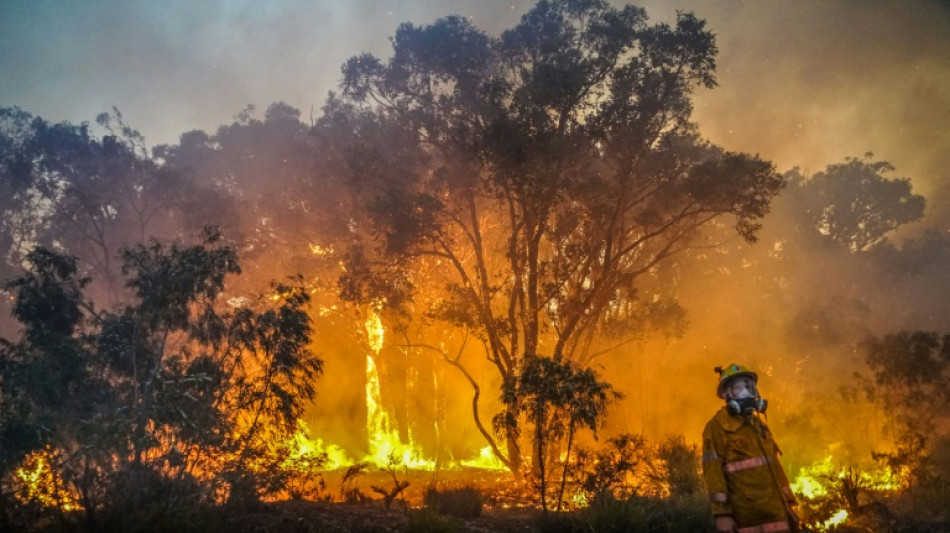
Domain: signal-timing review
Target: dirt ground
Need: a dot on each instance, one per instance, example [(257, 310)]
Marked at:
[(508, 507), (304, 516)]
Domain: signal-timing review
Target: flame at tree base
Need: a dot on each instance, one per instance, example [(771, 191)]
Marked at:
[(386, 447)]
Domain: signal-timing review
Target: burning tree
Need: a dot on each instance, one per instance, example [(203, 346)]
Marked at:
[(174, 397), (534, 179)]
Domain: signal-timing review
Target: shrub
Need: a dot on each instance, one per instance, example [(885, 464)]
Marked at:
[(681, 467), (608, 514), (556, 523), (464, 502), (426, 520)]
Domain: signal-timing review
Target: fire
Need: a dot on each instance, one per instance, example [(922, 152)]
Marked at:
[(807, 483), (836, 520), (41, 484), (304, 449), (845, 487), (385, 445), (486, 460), (321, 251)]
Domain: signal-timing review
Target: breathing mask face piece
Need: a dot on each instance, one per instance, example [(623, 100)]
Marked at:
[(743, 398), (746, 406)]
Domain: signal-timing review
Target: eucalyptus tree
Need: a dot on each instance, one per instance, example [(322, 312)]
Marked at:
[(87, 190), (556, 165), (177, 394), (854, 204)]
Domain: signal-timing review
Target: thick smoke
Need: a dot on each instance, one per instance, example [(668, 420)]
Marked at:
[(804, 84)]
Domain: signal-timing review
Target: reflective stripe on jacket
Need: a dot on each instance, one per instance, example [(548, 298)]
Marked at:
[(743, 474)]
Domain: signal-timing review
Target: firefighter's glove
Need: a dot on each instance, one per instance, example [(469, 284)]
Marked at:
[(725, 524)]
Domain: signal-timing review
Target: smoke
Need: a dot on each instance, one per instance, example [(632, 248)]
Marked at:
[(803, 84), (809, 83)]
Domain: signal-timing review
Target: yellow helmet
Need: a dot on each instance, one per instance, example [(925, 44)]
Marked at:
[(731, 371)]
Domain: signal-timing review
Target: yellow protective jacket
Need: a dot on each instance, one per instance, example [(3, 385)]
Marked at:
[(743, 474)]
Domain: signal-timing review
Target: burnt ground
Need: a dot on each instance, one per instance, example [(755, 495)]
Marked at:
[(508, 506), (373, 517)]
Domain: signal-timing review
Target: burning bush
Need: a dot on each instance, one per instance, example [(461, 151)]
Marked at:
[(174, 398)]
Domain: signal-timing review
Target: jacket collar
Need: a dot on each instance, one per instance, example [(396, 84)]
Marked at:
[(729, 422)]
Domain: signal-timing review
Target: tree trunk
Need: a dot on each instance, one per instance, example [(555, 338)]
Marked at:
[(567, 458), (515, 458), (539, 438)]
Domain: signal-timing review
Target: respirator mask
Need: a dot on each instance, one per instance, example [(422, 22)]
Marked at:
[(747, 406), (745, 399)]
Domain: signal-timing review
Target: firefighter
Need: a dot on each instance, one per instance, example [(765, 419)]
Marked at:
[(747, 485)]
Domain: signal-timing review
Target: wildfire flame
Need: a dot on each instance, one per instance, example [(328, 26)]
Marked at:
[(824, 480), (303, 448), (385, 445), (41, 484)]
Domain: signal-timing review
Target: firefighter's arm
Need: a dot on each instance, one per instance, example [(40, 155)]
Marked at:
[(713, 474)]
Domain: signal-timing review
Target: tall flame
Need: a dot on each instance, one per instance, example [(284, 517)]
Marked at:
[(385, 445)]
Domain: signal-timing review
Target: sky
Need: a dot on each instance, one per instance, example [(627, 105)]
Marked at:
[(802, 83)]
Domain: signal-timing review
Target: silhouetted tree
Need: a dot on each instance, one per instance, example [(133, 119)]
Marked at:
[(173, 396), (853, 204), (910, 374), (67, 189), (558, 399), (272, 170), (560, 166)]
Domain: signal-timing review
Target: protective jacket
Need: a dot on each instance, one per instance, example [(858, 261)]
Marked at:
[(743, 474)]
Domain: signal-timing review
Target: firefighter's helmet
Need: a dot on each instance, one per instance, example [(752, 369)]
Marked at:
[(726, 373)]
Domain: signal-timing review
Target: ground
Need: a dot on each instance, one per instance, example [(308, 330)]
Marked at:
[(304, 516)]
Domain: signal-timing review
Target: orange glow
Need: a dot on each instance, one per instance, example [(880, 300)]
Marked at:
[(385, 445), (823, 479), (40, 482)]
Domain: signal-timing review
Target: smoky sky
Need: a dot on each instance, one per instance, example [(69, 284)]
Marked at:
[(803, 84)]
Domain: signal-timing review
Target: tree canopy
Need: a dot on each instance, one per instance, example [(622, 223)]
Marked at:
[(557, 165), (175, 391)]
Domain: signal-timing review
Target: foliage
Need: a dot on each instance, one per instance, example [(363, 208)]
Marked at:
[(676, 468), (173, 398), (65, 188), (910, 371), (428, 520), (537, 176), (609, 514), (628, 465), (558, 399), (464, 502), (282, 197), (854, 205)]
